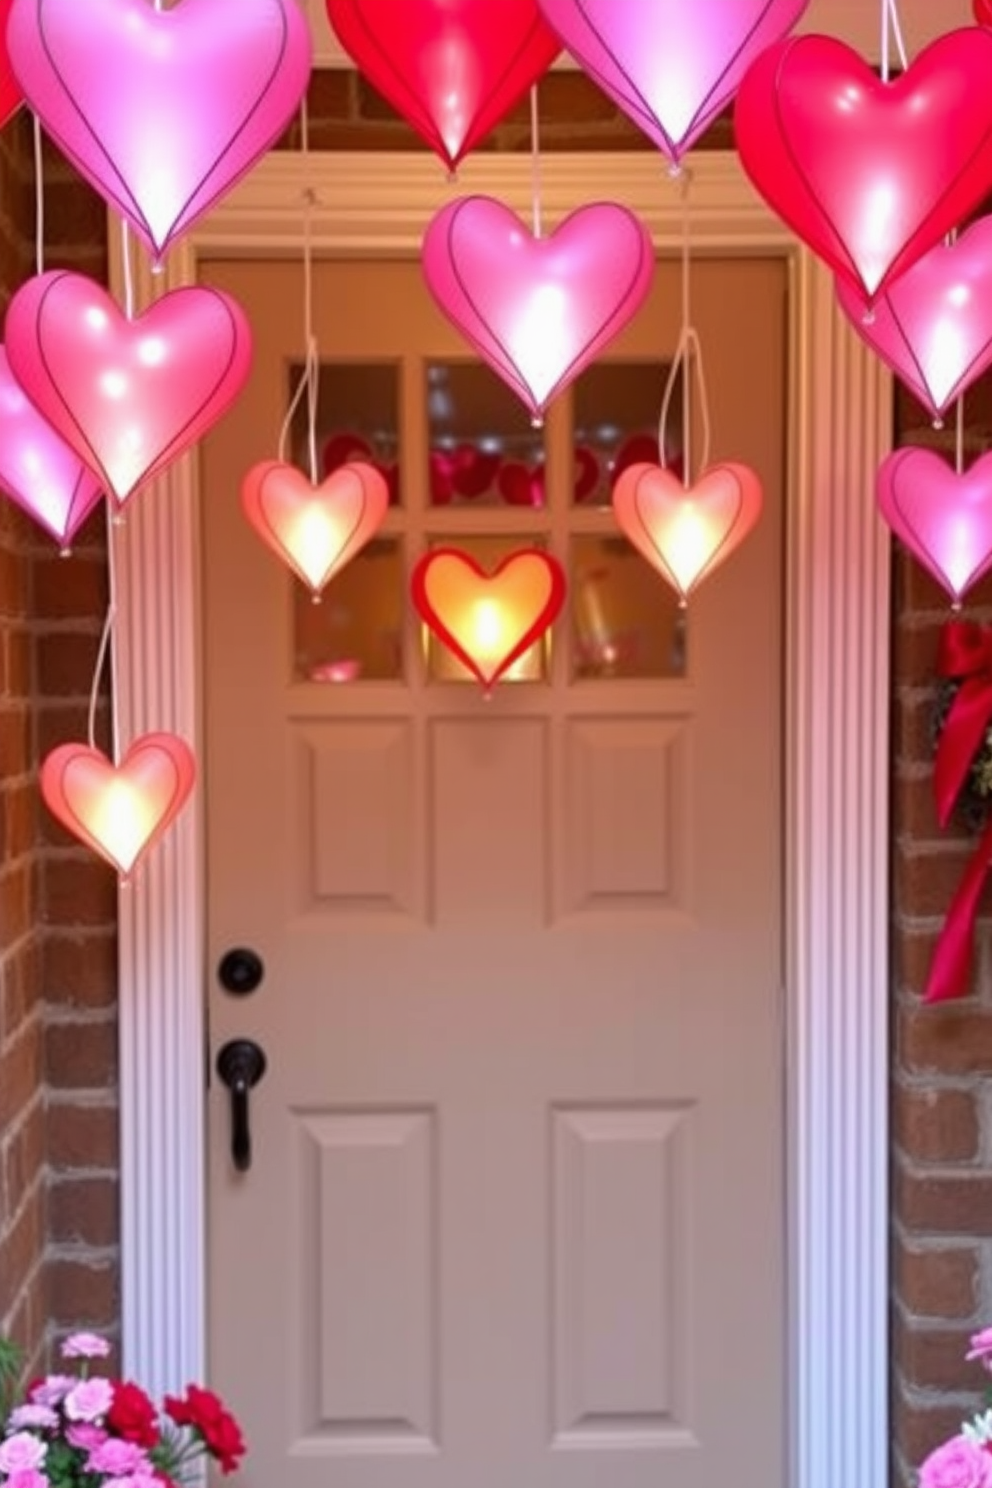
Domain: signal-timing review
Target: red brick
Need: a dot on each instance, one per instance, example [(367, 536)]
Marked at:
[(20, 1251), (81, 1056), (83, 1294), (919, 1429), (932, 1358), (945, 1038), (70, 588), (80, 970), (913, 727), (83, 1136), (937, 1282), (83, 1211), (66, 661), (20, 1072), (914, 649), (942, 1204), (80, 891), (925, 879), (938, 1126)]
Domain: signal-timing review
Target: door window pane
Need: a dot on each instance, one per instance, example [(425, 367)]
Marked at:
[(484, 450), (626, 621), (354, 633), (357, 419), (617, 410)]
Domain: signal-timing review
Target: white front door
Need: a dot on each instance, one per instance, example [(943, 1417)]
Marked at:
[(514, 1216)]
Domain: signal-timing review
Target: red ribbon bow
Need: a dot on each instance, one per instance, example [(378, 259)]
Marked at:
[(965, 655)]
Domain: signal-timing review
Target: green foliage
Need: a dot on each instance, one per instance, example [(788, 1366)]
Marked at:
[(11, 1364)]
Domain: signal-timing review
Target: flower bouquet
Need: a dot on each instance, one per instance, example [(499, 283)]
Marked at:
[(85, 1430), (965, 1461)]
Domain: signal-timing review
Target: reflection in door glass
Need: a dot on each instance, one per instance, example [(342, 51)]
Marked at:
[(484, 450), (488, 552), (616, 418), (357, 419), (626, 621), (355, 632)]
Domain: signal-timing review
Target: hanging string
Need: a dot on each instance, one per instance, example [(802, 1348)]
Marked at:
[(101, 655), (535, 163), (128, 276), (959, 442), (310, 380), (39, 197), (688, 359), (892, 29)]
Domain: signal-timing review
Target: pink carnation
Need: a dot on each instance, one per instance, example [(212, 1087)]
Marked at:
[(85, 1346), (85, 1436), (981, 1347), (40, 1417), (89, 1399), (21, 1452), (118, 1458), (959, 1463), (53, 1389), (28, 1477)]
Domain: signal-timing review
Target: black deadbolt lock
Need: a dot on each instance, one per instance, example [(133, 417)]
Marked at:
[(240, 971)]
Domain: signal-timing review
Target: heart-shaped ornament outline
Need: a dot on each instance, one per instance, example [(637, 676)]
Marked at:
[(914, 484)]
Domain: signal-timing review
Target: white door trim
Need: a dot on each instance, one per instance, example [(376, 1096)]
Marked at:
[(837, 750)]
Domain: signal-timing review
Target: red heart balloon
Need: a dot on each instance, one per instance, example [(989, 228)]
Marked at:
[(346, 449), (520, 485), (465, 473), (983, 12), (586, 473), (11, 96), (869, 174), (488, 620), (452, 70)]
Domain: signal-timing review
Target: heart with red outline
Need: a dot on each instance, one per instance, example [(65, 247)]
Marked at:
[(944, 519), (687, 532), (315, 530), (350, 449), (488, 620), (120, 811), (869, 173), (453, 70)]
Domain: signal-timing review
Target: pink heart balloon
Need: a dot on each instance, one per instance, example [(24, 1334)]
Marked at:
[(869, 174), (538, 310), (161, 110), (127, 395), (38, 470), (315, 529), (686, 532), (671, 65), (944, 519), (933, 326)]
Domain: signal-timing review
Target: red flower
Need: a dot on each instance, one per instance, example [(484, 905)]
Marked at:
[(132, 1415), (206, 1413)]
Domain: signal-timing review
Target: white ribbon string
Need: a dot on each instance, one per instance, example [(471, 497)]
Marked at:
[(535, 163), (310, 380), (689, 359), (39, 198), (102, 652), (128, 275), (892, 30)]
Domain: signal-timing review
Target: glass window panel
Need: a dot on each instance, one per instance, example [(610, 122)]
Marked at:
[(484, 450), (442, 665), (357, 419), (616, 416), (354, 633), (626, 621)]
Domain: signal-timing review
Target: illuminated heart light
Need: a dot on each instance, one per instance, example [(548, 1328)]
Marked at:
[(38, 470), (119, 811), (127, 395), (451, 70), (161, 109), (944, 519), (686, 532), (488, 620), (933, 327), (870, 174), (538, 310), (672, 67), (316, 530)]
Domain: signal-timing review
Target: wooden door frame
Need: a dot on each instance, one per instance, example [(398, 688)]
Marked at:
[(837, 764)]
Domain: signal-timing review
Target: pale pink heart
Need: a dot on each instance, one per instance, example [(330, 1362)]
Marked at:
[(933, 327), (944, 519), (119, 810), (316, 530), (686, 532), (538, 310), (38, 470), (671, 65), (127, 395), (162, 110)]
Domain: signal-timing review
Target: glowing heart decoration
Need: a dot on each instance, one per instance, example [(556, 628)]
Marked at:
[(488, 620), (316, 530), (671, 65), (119, 811), (869, 174), (162, 110), (451, 70), (127, 395), (10, 92), (944, 519), (686, 532), (933, 327), (38, 470), (538, 310)]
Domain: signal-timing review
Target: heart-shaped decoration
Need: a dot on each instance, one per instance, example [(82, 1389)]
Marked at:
[(38, 470), (944, 519), (127, 395), (538, 310), (983, 12), (316, 530), (488, 620), (869, 174), (521, 485), (685, 533), (671, 65), (161, 110), (350, 449), (933, 326), (120, 811), (463, 473), (452, 71), (10, 91)]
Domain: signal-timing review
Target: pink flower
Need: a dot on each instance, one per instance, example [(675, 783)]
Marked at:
[(21, 1452), (41, 1417), (981, 1347), (132, 1480), (84, 1436), (85, 1346), (52, 1389), (28, 1477), (118, 1458), (959, 1463), (89, 1399)]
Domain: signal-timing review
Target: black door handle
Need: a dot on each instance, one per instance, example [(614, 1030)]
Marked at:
[(240, 1064)]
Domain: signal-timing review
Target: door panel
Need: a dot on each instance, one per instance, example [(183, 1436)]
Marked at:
[(515, 1213)]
